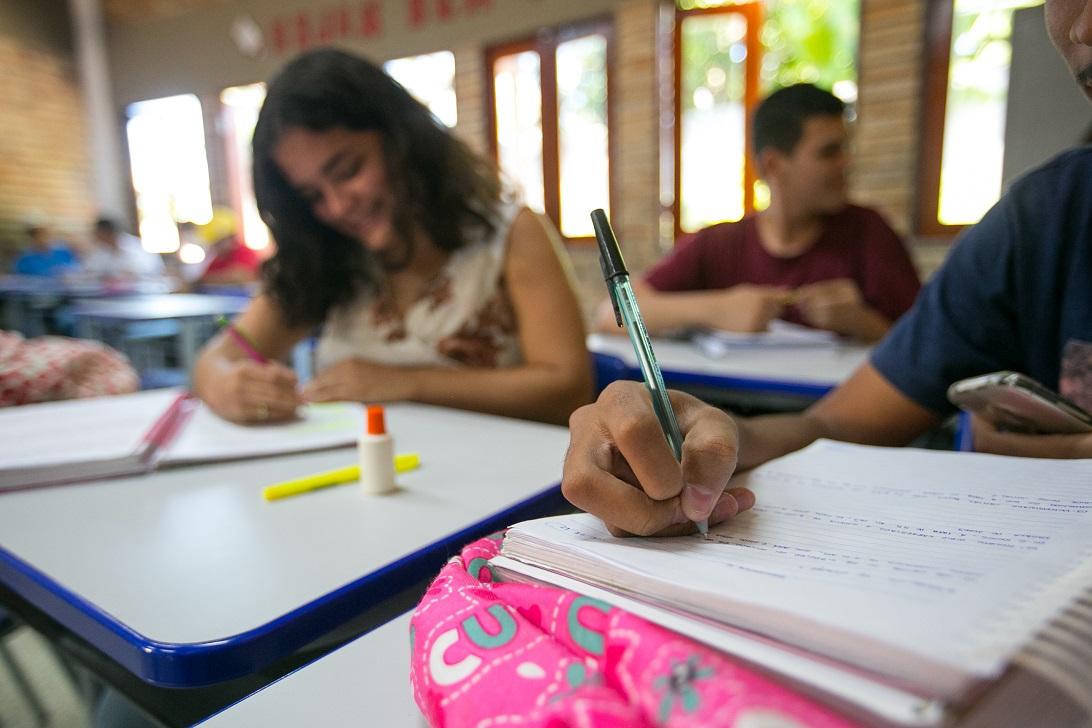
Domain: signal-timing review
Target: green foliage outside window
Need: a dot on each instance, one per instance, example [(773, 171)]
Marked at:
[(813, 41)]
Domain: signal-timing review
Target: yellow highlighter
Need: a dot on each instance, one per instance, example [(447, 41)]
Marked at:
[(402, 464)]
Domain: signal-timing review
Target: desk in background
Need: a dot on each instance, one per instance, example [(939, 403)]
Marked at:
[(776, 378), (187, 578), (30, 300), (365, 682), (192, 318)]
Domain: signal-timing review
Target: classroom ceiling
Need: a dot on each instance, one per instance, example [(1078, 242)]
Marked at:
[(123, 11)]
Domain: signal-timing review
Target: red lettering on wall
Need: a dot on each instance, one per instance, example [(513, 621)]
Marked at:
[(444, 10), (329, 25), (303, 31), (416, 13), (280, 37), (473, 6), (371, 19), (345, 22)]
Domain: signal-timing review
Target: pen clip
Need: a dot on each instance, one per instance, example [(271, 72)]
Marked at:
[(614, 303), (610, 259)]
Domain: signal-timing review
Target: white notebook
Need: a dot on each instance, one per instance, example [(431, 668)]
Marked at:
[(924, 573), (59, 442), (90, 439), (206, 437), (718, 344)]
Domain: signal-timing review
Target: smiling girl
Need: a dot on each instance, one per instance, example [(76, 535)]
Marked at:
[(430, 282)]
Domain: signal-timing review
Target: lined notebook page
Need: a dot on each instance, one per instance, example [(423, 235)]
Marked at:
[(207, 437), (919, 564)]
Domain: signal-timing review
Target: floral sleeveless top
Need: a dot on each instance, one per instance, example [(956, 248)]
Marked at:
[(463, 316)]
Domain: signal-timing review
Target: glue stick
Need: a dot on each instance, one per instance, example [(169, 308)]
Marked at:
[(376, 452)]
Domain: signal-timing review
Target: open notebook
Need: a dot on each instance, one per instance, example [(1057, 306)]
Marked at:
[(903, 581), (718, 344), (77, 440)]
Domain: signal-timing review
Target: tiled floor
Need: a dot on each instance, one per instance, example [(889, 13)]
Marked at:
[(47, 678)]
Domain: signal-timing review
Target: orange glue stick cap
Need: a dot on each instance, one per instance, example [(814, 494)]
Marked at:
[(376, 423)]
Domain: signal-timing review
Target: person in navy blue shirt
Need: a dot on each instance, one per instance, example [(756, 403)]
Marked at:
[(45, 257), (1015, 293)]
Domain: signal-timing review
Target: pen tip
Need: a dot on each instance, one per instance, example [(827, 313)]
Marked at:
[(703, 527)]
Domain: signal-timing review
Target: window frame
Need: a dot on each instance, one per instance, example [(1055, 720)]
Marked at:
[(545, 43), (752, 11), (937, 60)]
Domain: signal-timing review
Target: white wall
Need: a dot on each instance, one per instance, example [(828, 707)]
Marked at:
[(1046, 111)]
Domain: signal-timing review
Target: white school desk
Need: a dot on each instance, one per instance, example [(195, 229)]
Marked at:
[(100, 319), (365, 682), (187, 577), (807, 372)]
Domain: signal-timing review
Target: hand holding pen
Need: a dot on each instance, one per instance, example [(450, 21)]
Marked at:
[(620, 468), (251, 387), (675, 484)]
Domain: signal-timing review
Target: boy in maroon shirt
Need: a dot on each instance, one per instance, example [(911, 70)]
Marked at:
[(809, 258)]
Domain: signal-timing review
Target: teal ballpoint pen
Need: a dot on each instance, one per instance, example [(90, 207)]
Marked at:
[(626, 313)]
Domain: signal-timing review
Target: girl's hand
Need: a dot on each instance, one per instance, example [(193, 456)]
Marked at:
[(359, 380), (250, 391)]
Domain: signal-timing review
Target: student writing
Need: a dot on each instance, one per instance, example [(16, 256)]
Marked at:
[(811, 257), (429, 281)]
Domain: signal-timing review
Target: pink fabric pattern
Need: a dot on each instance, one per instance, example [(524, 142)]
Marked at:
[(489, 654), (51, 368)]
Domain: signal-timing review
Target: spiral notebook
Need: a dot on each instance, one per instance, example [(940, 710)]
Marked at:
[(902, 581)]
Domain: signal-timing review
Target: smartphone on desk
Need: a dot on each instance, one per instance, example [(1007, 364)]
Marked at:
[(1018, 403)]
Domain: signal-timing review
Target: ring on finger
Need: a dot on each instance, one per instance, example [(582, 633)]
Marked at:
[(263, 411)]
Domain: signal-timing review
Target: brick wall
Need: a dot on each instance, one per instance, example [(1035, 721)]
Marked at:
[(473, 124), (889, 110), (44, 165)]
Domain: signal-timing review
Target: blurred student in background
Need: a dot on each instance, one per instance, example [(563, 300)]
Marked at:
[(119, 257), (228, 261), (431, 283), (810, 258), (45, 256)]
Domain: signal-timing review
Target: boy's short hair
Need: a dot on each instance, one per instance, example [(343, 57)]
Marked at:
[(779, 119)]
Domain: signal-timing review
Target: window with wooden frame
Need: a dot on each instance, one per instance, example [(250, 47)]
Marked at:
[(968, 53), (169, 167), (549, 121), (728, 54), (239, 107), (716, 72)]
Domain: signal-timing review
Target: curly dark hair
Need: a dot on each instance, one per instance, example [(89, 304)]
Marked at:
[(440, 186)]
